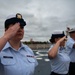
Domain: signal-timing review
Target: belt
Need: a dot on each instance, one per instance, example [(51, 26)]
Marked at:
[(53, 73), (72, 62)]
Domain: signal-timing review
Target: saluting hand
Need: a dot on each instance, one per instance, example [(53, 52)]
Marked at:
[(12, 30), (62, 39)]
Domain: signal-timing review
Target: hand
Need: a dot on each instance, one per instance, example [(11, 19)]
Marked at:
[(62, 39), (12, 30)]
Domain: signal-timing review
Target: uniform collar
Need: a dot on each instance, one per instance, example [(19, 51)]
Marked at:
[(9, 46), (6, 46), (22, 45), (72, 39)]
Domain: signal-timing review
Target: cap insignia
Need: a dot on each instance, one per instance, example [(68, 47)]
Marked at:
[(19, 16)]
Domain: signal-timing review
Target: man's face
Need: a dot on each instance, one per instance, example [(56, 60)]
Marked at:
[(19, 35), (72, 35)]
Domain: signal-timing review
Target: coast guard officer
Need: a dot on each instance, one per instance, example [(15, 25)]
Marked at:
[(70, 46), (15, 57), (57, 54)]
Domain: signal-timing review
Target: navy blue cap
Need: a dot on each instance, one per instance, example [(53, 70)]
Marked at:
[(56, 34), (14, 19)]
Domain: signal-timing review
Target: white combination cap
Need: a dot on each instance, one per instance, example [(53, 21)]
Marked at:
[(58, 32), (72, 30)]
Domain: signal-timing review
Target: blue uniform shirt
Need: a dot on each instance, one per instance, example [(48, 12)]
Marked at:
[(71, 51), (17, 62), (60, 64)]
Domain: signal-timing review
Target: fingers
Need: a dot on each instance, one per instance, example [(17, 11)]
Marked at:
[(12, 30), (63, 39), (16, 26)]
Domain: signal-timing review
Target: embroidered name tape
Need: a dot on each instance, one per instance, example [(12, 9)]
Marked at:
[(30, 56), (7, 57)]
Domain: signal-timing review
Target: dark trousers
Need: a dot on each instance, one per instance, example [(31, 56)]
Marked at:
[(1, 69), (52, 73), (72, 69)]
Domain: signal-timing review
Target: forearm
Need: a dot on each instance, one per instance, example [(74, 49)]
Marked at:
[(3, 41), (9, 34), (53, 52)]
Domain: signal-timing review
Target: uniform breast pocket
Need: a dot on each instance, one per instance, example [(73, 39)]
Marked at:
[(8, 61), (31, 59)]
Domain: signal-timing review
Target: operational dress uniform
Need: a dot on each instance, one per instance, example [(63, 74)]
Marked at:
[(60, 64), (71, 51), (17, 62)]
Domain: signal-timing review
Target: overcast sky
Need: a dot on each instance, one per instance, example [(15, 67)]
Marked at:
[(42, 16)]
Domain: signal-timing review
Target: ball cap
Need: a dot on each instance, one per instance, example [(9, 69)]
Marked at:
[(12, 19)]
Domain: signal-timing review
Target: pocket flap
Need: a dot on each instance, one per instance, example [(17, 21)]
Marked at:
[(30, 58), (8, 61)]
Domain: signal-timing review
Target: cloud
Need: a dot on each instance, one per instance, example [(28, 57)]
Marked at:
[(42, 16)]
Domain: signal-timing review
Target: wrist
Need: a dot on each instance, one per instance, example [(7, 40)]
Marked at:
[(58, 42), (5, 38)]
